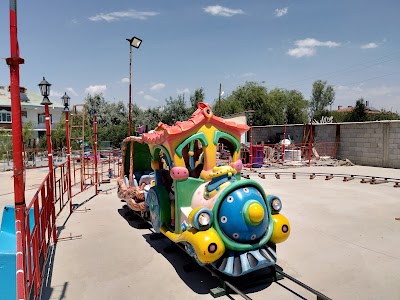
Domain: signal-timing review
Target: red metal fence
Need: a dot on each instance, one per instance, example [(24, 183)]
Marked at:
[(264, 154), (48, 202), (37, 240)]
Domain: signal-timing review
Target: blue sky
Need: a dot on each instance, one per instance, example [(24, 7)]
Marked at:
[(80, 47)]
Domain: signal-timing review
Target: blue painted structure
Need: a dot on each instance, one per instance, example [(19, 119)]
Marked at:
[(8, 252)]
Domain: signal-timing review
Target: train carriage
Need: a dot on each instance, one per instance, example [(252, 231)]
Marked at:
[(203, 203)]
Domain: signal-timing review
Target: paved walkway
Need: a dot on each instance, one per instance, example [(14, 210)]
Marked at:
[(345, 242)]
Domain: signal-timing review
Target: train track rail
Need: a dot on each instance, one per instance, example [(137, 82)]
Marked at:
[(227, 287), (328, 176)]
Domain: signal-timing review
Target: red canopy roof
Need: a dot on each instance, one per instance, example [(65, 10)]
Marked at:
[(202, 115)]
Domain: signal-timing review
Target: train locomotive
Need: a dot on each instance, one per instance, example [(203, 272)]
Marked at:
[(202, 202)]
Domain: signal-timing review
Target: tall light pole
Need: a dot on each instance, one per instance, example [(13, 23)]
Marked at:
[(133, 42), (44, 87), (65, 100)]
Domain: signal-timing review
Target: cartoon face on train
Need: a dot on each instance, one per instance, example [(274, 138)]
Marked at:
[(201, 201)]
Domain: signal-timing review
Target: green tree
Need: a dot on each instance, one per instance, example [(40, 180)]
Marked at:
[(270, 107), (58, 133), (175, 110), (112, 119), (27, 133), (340, 116), (152, 116), (197, 97), (251, 96), (383, 115), (5, 144), (296, 107), (322, 96), (358, 114)]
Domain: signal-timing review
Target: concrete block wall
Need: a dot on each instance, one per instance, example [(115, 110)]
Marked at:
[(394, 145), (364, 143), (325, 132), (268, 134)]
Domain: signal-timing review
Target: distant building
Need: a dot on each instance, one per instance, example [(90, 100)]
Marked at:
[(368, 109), (31, 110)]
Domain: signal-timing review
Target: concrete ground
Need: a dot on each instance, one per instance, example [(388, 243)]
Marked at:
[(344, 242)]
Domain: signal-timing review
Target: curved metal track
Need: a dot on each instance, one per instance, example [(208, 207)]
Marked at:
[(328, 176), (228, 286)]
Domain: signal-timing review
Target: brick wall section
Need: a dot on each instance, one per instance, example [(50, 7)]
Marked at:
[(365, 143)]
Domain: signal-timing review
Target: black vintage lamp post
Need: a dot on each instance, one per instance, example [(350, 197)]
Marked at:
[(44, 87), (65, 100)]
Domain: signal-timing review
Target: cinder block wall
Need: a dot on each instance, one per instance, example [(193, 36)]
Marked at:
[(364, 143), (271, 134)]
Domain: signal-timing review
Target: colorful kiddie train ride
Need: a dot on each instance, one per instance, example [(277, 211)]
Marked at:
[(221, 219)]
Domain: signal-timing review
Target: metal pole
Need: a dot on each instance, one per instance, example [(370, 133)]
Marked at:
[(219, 100), (68, 159), (284, 138), (51, 170), (130, 93), (310, 144), (95, 153), (18, 169), (251, 141)]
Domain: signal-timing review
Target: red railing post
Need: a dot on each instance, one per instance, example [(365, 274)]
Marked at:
[(18, 169), (95, 153), (51, 170), (68, 158), (310, 144)]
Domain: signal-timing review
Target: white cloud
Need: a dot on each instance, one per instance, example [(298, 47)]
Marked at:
[(301, 52), (129, 14), (150, 98), (369, 46), (218, 10), (125, 80), (235, 76), (184, 91), (315, 43), (95, 89), (55, 94), (157, 86), (279, 12), (140, 93), (72, 91), (248, 74), (306, 47)]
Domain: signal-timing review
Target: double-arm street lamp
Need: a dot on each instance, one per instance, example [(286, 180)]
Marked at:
[(133, 42)]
